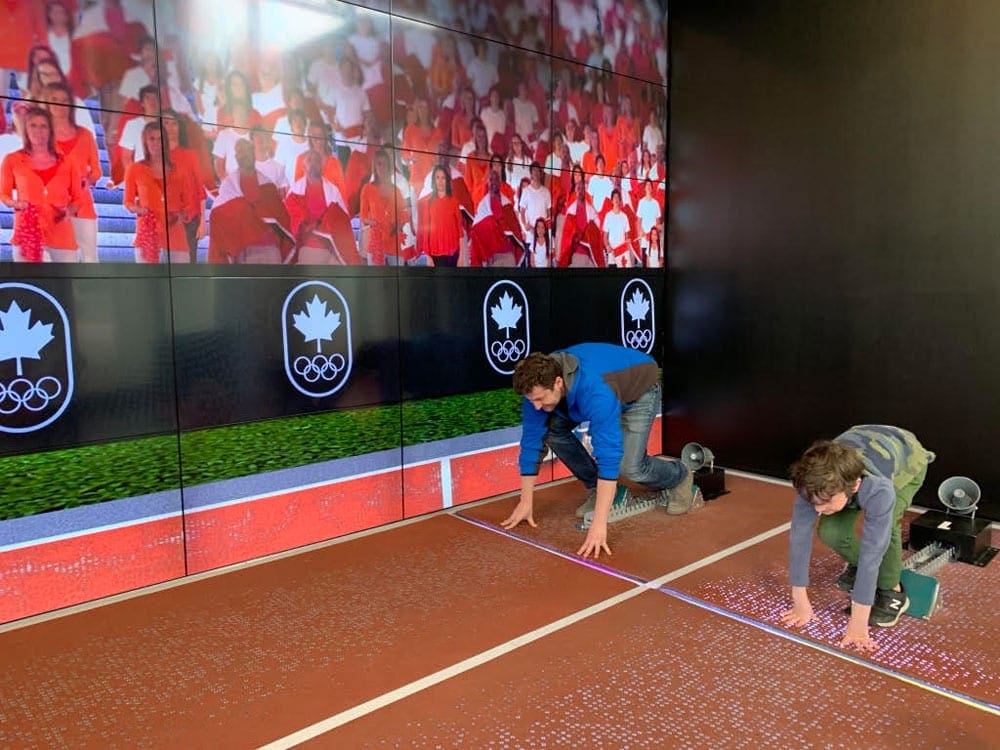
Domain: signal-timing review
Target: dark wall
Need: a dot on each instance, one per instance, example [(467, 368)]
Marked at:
[(834, 216)]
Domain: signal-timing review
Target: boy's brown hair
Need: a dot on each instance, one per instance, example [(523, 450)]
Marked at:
[(827, 468), (534, 370)]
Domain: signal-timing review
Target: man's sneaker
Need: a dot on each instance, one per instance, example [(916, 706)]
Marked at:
[(888, 607), (845, 581), (685, 497), (589, 504)]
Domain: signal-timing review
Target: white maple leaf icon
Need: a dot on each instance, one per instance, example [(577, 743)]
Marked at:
[(317, 323), (17, 340), (637, 307), (506, 315)]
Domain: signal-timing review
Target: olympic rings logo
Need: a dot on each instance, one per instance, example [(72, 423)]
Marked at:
[(21, 393), (640, 339), (508, 351), (319, 367)]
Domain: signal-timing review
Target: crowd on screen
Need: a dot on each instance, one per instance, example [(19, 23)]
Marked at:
[(456, 154)]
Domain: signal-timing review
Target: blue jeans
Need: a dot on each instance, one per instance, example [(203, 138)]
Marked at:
[(636, 466)]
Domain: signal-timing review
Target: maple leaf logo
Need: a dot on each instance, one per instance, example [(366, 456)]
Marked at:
[(19, 341), (506, 315), (317, 323), (637, 307)]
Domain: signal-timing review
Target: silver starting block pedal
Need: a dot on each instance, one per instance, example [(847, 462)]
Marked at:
[(625, 505), (924, 555)]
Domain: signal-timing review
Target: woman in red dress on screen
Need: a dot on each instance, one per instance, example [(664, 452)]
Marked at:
[(189, 167), (78, 145), (439, 236), (159, 196), (383, 213), (43, 188)]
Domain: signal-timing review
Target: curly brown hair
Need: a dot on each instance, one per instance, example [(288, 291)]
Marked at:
[(534, 370), (827, 468)]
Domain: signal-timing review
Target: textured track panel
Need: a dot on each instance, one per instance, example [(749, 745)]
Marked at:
[(952, 649), (656, 672), (239, 659)]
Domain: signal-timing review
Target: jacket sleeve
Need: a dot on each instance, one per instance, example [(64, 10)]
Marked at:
[(800, 541), (601, 406), (876, 530), (532, 433), (7, 182)]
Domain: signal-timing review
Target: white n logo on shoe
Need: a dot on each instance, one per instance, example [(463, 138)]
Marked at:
[(895, 604)]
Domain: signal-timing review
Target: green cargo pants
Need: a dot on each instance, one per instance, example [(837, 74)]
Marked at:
[(839, 532)]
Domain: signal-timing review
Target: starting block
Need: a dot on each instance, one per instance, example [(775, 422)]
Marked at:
[(917, 578), (625, 505)]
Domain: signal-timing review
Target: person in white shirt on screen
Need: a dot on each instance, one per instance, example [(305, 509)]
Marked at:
[(616, 234), (535, 202), (291, 143), (269, 100), (649, 211), (263, 161), (131, 144), (224, 150)]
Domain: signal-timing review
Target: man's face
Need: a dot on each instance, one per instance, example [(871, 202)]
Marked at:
[(546, 399)]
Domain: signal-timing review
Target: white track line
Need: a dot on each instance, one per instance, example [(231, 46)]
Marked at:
[(363, 709)]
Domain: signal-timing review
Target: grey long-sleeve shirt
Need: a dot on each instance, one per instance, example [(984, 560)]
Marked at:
[(876, 497)]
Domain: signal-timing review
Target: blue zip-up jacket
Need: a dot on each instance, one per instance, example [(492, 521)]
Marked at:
[(602, 381)]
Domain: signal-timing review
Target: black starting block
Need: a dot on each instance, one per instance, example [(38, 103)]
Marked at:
[(968, 535), (711, 481)]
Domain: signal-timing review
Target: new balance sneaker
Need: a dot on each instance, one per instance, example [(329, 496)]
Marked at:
[(845, 581), (888, 607), (685, 497), (588, 504)]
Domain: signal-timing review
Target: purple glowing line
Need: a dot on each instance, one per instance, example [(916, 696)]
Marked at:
[(592, 564), (601, 568)]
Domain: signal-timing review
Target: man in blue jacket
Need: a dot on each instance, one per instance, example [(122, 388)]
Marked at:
[(617, 390)]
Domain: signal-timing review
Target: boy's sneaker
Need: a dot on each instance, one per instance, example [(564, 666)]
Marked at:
[(684, 497), (888, 607), (845, 581), (589, 504)]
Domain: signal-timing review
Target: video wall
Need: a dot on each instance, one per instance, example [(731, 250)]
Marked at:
[(266, 267), (526, 134)]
